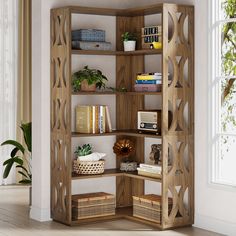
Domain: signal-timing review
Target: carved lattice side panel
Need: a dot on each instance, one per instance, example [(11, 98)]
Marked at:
[(60, 116), (178, 98)]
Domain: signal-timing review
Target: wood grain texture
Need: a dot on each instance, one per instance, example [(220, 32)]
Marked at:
[(127, 68), (121, 53), (177, 138), (115, 172), (61, 115), (178, 182)]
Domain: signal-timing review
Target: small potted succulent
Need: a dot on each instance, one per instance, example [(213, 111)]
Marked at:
[(129, 40), (87, 161), (88, 80), (84, 150)]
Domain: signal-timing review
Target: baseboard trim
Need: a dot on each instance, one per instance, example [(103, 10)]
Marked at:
[(40, 214), (215, 225)]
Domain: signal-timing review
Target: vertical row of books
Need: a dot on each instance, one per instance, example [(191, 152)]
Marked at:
[(93, 119)]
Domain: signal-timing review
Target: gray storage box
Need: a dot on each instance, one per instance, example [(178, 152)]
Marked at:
[(91, 35), (91, 45)]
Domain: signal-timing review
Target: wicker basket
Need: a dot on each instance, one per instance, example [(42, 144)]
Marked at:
[(149, 207), (91, 205), (89, 167)]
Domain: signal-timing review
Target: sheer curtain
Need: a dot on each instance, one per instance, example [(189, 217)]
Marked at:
[(8, 79)]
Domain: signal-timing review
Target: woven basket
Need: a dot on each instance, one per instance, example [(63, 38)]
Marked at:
[(89, 167)]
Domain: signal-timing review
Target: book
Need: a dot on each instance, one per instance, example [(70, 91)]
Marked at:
[(151, 167), (149, 77), (102, 128), (149, 170), (108, 120), (93, 119), (148, 81), (83, 119)]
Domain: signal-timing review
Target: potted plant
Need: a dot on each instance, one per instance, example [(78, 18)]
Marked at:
[(88, 162), (88, 80), (84, 150), (129, 40), (21, 157)]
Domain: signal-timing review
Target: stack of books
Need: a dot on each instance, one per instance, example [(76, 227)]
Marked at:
[(151, 82), (149, 170), (93, 119)]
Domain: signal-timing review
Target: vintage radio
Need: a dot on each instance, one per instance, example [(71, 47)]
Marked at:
[(149, 121)]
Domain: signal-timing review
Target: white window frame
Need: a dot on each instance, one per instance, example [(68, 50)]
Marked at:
[(214, 62)]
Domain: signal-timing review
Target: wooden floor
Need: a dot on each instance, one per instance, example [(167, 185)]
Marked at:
[(14, 221)]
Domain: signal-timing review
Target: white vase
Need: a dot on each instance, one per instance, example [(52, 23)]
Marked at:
[(129, 45)]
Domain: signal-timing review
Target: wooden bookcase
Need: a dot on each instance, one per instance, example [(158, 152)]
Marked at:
[(177, 139)]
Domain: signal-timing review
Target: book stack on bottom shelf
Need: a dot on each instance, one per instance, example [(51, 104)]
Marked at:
[(92, 205), (148, 170), (149, 207)]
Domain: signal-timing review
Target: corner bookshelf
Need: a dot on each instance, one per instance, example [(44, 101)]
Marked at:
[(177, 139)]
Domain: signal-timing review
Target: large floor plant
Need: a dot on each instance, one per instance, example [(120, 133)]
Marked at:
[(20, 155)]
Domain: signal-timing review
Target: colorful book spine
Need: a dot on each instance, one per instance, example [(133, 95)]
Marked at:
[(148, 81), (149, 77)]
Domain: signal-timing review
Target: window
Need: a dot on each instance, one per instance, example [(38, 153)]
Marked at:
[(223, 91), (8, 78)]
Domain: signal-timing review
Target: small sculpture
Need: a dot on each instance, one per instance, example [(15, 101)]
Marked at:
[(123, 148), (155, 154)]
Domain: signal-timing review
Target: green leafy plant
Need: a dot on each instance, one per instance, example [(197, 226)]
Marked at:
[(84, 150), (17, 154), (127, 36), (93, 76)]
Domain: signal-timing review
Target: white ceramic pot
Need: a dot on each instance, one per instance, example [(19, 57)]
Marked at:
[(129, 45)]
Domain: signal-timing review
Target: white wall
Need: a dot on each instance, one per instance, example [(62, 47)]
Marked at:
[(214, 208)]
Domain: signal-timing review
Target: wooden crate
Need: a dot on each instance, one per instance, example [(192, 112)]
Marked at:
[(91, 205), (149, 207)]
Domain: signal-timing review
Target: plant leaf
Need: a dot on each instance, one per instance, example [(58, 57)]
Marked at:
[(14, 151), (26, 128), (22, 173), (7, 169), (25, 181), (7, 161), (20, 166), (18, 160), (14, 143)]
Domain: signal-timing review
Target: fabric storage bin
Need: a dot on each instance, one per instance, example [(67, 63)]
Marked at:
[(149, 207), (91, 45), (91, 205), (92, 35)]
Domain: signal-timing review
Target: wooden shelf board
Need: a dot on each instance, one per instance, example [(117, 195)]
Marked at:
[(115, 172), (139, 11), (107, 173), (127, 132), (95, 220), (127, 213), (117, 53), (116, 93), (122, 212)]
